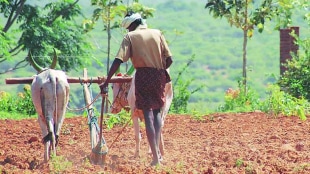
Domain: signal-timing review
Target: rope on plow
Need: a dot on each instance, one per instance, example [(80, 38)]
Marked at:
[(82, 108)]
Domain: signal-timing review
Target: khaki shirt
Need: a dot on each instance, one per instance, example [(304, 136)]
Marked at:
[(145, 47)]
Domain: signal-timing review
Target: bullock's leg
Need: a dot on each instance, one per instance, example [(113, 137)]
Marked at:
[(62, 100), (59, 122), (44, 134), (153, 129), (161, 145), (136, 128), (51, 135)]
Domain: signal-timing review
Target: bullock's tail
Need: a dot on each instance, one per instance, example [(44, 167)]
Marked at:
[(50, 120), (54, 81)]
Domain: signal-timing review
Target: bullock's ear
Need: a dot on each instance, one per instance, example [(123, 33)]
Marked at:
[(54, 63), (34, 64)]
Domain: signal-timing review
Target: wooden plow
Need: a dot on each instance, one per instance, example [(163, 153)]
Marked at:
[(99, 148)]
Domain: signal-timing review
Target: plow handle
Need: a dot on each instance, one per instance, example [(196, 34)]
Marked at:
[(101, 115)]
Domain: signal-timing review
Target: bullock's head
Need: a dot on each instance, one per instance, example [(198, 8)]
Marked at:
[(120, 92), (38, 67)]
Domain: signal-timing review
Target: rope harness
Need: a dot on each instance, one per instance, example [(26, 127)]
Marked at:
[(122, 98)]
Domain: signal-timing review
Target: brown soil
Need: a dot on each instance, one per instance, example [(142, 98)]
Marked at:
[(219, 143)]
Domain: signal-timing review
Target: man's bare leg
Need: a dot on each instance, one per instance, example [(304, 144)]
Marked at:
[(153, 134), (158, 128)]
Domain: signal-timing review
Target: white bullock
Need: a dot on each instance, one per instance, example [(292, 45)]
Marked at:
[(124, 97), (50, 96)]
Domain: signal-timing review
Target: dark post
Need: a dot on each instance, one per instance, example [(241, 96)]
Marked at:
[(287, 46)]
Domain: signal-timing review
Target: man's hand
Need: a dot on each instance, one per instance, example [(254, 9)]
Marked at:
[(104, 88)]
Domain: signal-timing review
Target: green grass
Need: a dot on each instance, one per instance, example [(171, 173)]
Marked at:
[(19, 116), (14, 115)]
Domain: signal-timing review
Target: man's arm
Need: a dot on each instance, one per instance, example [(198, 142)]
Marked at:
[(115, 65)]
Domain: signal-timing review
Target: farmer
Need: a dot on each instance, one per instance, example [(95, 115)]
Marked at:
[(150, 56)]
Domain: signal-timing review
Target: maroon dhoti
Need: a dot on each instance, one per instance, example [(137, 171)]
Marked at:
[(150, 85)]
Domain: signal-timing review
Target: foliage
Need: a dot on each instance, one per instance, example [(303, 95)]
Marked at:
[(285, 10), (13, 115), (284, 14), (117, 119), (296, 80), (239, 101), (181, 90), (111, 13), (240, 14), (239, 162), (59, 164), (197, 116), (22, 103), (40, 29), (279, 102)]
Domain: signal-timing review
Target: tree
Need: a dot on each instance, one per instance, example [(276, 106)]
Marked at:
[(32, 28), (242, 14), (112, 12)]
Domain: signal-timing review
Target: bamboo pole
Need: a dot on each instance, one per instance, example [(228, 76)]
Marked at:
[(98, 80)]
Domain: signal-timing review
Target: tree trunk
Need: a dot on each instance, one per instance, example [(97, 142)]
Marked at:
[(245, 41), (244, 68)]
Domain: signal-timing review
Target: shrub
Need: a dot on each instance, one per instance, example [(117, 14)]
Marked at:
[(296, 79), (280, 102), (21, 103), (277, 102), (240, 101), (181, 92)]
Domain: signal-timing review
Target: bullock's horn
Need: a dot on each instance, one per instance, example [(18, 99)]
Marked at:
[(130, 71), (53, 65), (33, 63)]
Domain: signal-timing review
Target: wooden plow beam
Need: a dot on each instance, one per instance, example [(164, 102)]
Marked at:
[(98, 80)]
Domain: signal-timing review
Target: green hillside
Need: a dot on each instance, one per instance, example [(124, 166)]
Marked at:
[(217, 48)]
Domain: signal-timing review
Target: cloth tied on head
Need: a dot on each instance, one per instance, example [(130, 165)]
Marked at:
[(130, 19)]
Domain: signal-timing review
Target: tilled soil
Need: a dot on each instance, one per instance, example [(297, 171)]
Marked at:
[(217, 143)]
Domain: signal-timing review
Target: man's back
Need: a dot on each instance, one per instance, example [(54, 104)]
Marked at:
[(147, 48)]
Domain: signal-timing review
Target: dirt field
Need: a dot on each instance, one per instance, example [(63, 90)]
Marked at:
[(220, 143)]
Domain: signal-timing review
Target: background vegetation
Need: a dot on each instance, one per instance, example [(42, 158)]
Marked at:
[(191, 32)]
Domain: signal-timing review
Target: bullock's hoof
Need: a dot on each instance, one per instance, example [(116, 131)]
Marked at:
[(47, 138), (57, 140)]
